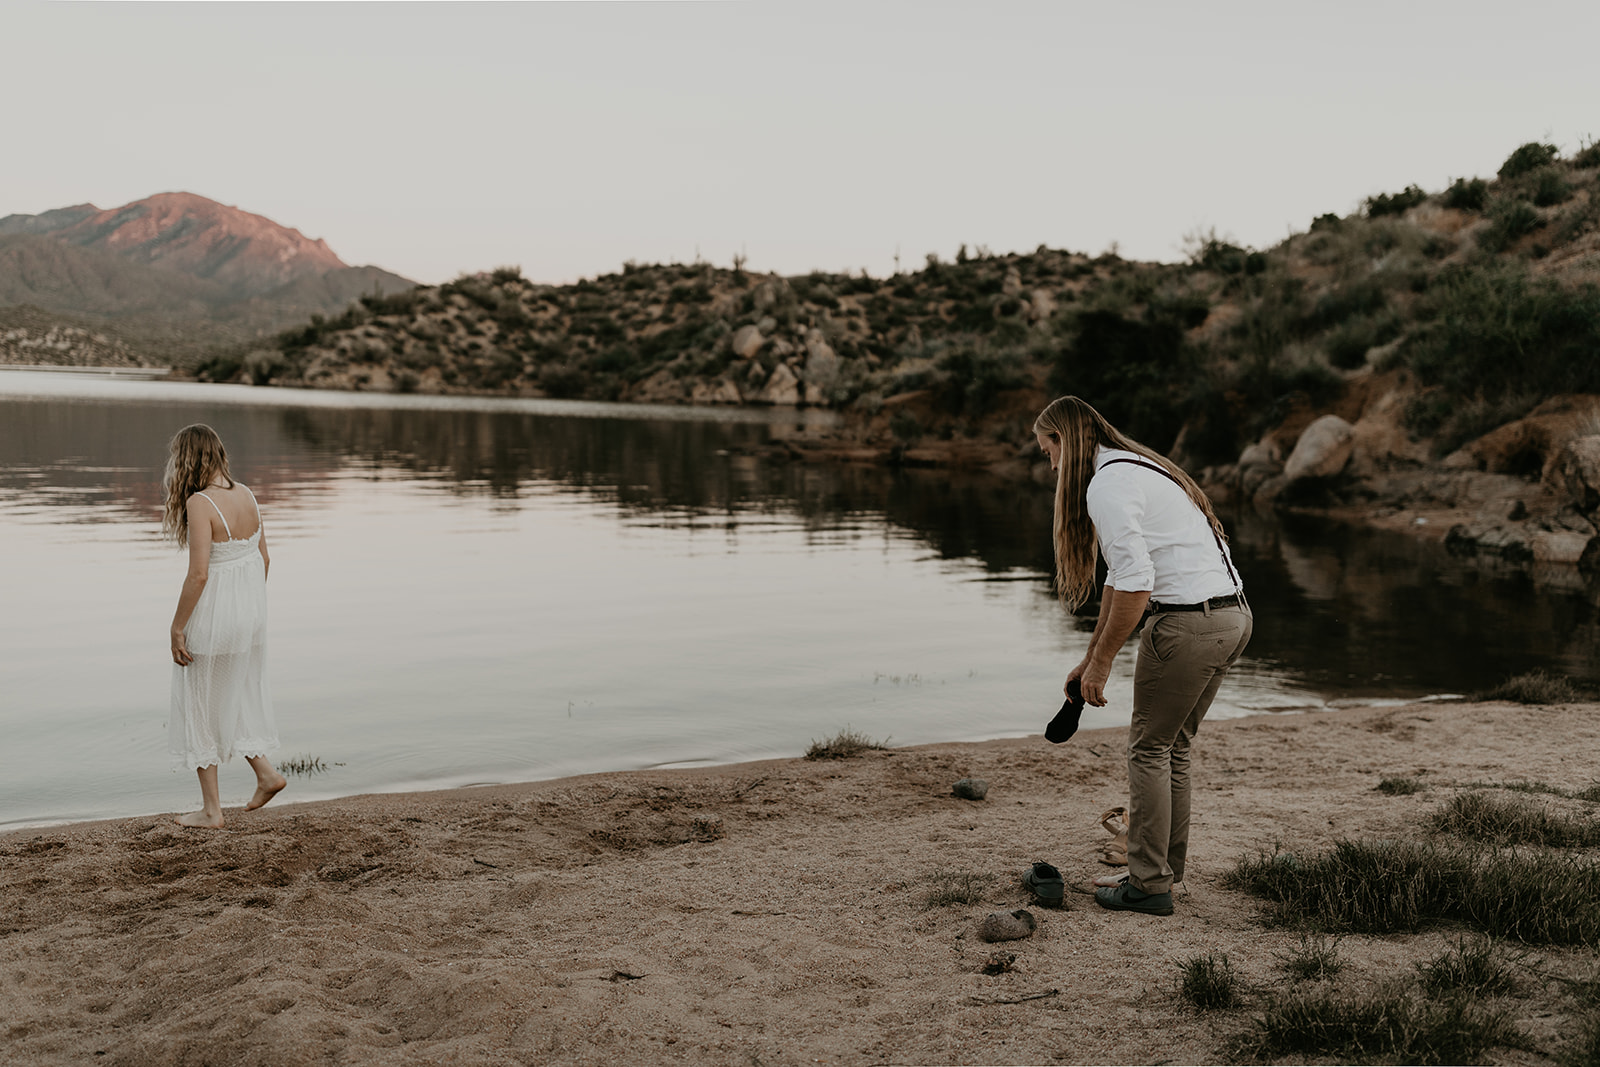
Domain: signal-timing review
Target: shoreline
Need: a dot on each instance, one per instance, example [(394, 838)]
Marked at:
[(1329, 704), (774, 911)]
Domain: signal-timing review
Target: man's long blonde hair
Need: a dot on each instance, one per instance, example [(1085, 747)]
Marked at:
[(195, 459), (1081, 429)]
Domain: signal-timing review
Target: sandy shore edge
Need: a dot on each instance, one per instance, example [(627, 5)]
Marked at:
[(771, 912)]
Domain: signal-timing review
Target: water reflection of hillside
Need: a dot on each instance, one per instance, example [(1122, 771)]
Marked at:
[(1347, 610)]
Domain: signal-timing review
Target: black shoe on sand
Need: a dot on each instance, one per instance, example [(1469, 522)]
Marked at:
[(1126, 898), (1046, 883)]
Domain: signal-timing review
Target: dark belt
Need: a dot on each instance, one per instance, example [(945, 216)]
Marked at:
[(1234, 601)]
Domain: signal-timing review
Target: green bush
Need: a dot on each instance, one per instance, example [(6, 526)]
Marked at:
[(1347, 345), (1465, 195), (1587, 156), (1508, 220), (1550, 187), (1134, 371), (1527, 158), (1396, 203), (1327, 221), (1496, 332)]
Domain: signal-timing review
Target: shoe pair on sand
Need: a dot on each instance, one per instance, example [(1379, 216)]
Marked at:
[(1045, 882)]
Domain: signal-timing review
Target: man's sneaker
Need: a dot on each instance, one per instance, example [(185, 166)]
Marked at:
[(1126, 898)]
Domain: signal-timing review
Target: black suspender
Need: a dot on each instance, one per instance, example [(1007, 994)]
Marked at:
[(1237, 585)]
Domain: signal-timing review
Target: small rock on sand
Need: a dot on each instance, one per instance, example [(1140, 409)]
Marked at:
[(971, 789), (1007, 925)]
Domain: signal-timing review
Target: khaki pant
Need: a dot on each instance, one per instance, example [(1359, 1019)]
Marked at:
[(1183, 656)]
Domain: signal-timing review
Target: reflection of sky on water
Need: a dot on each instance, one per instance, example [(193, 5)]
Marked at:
[(466, 594)]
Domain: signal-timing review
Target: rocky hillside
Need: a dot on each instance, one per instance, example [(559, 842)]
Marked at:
[(1420, 324), (175, 274)]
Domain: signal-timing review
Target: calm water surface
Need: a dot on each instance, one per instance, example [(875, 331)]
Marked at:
[(469, 591)]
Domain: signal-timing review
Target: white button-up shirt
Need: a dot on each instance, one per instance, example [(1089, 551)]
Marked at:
[(1152, 536)]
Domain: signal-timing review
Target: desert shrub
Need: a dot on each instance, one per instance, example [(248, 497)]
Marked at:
[(1514, 821), (1470, 966), (1467, 195), (1494, 331), (1385, 1027), (1399, 787), (1364, 297), (1509, 219), (222, 368), (846, 744), (401, 303), (1347, 344), (906, 428), (1225, 258), (973, 376), (1327, 221), (699, 293), (1527, 158), (505, 275), (1533, 687), (263, 364), (563, 381), (1134, 371), (1209, 982), (1550, 186), (956, 887), (1587, 156), (1395, 203), (475, 289), (1453, 421), (1314, 958)]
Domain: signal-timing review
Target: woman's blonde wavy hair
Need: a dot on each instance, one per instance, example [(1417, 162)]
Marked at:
[(195, 459), (1081, 429)]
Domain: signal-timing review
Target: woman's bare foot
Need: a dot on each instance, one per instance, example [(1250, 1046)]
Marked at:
[(266, 789), (200, 819)]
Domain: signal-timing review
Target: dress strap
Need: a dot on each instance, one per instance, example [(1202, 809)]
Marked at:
[(220, 515)]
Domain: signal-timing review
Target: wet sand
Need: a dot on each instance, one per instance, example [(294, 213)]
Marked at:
[(762, 913)]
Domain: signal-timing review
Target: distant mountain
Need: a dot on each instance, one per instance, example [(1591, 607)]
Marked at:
[(177, 274)]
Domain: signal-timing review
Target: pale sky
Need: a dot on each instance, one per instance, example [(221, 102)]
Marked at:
[(566, 138)]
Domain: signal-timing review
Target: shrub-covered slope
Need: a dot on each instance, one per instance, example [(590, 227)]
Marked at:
[(1478, 302)]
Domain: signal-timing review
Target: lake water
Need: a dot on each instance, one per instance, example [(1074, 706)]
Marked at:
[(471, 591)]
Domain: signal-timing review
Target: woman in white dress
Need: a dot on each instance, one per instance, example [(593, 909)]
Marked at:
[(220, 701)]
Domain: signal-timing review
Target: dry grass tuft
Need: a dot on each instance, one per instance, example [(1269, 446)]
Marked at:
[(846, 744)]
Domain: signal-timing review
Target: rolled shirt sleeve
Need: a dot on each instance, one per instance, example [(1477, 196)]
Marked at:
[(1116, 507)]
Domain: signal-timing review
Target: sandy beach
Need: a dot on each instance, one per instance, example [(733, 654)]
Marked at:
[(761, 913)]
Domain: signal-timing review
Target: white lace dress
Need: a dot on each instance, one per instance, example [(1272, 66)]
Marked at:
[(220, 702)]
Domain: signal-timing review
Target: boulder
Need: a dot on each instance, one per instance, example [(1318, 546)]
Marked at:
[(1559, 546), (1575, 474), (782, 388), (822, 364), (747, 341), (1322, 451), (721, 391), (1041, 305)]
